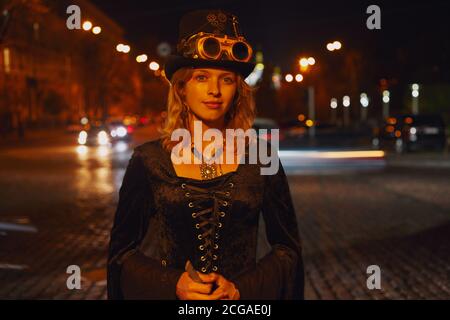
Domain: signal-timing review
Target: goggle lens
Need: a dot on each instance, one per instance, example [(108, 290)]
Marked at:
[(211, 47), (240, 51)]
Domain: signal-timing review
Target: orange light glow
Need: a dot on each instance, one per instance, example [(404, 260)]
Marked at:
[(392, 120)]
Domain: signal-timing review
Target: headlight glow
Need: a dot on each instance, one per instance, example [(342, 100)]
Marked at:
[(82, 137), (102, 138), (121, 131)]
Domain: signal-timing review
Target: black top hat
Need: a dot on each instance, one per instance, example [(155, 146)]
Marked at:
[(215, 22)]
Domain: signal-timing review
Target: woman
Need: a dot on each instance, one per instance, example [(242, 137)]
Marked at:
[(189, 230)]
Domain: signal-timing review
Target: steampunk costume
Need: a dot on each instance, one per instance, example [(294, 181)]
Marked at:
[(163, 220)]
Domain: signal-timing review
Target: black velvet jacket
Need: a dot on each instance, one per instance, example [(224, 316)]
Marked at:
[(163, 220)]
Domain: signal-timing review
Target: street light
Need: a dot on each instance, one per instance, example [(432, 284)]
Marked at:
[(96, 30), (346, 101), (311, 61), (153, 66), (298, 77), (87, 25), (289, 77), (336, 45), (386, 96), (119, 47), (141, 58), (364, 100), (333, 103), (126, 48), (303, 62)]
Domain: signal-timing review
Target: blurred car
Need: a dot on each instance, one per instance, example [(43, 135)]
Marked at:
[(387, 134), (118, 131), (423, 131), (410, 132), (94, 135), (268, 124), (294, 128)]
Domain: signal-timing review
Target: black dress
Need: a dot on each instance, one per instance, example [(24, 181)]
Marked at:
[(163, 220)]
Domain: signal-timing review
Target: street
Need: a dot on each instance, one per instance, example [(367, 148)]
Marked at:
[(58, 202)]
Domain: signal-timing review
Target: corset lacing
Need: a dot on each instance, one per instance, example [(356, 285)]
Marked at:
[(208, 219)]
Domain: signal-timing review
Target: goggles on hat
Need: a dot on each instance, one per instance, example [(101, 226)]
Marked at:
[(213, 47)]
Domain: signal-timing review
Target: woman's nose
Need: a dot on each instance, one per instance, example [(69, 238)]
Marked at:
[(213, 87)]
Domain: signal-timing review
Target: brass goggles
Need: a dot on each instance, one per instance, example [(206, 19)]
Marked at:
[(212, 47)]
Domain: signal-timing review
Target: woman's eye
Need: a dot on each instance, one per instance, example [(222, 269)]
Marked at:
[(200, 78), (228, 80)]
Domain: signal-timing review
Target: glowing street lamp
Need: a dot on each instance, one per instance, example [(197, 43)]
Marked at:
[(123, 48), (298, 77), (364, 100), (336, 45), (386, 96), (119, 47), (311, 61), (87, 25), (346, 101), (153, 66), (96, 30), (304, 62), (333, 103), (141, 58), (289, 77)]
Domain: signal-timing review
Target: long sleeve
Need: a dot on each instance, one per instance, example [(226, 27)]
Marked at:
[(130, 273), (279, 274)]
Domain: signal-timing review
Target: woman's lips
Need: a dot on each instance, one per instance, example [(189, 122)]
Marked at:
[(213, 105)]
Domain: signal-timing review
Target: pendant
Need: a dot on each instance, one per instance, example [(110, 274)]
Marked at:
[(208, 171)]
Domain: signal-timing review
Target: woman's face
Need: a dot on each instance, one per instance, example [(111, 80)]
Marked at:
[(209, 94)]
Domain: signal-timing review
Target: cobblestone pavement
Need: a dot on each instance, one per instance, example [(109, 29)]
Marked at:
[(398, 219)]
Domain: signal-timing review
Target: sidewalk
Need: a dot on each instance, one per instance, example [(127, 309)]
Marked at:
[(35, 136)]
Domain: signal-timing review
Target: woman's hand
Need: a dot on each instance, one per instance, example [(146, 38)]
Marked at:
[(188, 289), (225, 288)]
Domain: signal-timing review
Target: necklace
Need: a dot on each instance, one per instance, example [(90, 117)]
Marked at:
[(208, 170)]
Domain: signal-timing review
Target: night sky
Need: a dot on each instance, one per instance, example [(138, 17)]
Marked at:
[(419, 31)]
